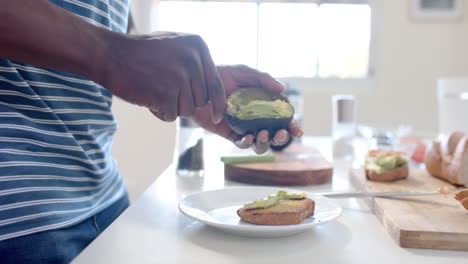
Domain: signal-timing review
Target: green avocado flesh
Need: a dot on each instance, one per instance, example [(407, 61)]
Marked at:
[(263, 203), (255, 103), (291, 196), (274, 199), (385, 162)]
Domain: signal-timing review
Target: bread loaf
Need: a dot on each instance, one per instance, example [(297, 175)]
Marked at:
[(433, 159), (448, 158)]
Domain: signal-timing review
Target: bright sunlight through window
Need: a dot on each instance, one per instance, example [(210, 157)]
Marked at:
[(283, 39)]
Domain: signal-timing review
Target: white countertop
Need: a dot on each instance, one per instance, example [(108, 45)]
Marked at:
[(153, 230)]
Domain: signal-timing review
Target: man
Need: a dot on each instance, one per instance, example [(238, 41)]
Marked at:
[(59, 186)]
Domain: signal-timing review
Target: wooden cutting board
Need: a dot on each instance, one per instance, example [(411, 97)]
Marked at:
[(296, 165), (432, 222)]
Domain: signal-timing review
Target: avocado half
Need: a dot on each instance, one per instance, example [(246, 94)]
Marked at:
[(250, 110)]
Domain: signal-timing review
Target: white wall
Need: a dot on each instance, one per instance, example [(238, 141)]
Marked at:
[(409, 58), (143, 145)]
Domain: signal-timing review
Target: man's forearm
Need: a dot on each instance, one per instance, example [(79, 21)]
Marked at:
[(40, 33)]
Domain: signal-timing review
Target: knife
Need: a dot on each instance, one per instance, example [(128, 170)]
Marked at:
[(360, 194)]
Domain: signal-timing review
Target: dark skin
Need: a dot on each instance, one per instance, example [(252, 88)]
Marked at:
[(171, 74)]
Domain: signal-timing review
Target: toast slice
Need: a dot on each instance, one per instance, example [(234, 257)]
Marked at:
[(462, 196), (386, 175), (286, 212), (464, 202)]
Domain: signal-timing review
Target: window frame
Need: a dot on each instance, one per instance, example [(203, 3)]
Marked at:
[(330, 83), (342, 84)]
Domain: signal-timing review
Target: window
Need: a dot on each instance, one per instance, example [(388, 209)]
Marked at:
[(312, 40)]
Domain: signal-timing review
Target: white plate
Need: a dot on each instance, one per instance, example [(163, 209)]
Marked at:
[(218, 208)]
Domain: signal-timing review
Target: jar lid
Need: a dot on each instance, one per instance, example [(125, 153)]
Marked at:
[(343, 108)]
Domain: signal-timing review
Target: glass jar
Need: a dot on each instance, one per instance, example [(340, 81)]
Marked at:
[(343, 127), (189, 148)]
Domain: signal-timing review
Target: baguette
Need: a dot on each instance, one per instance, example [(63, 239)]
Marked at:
[(433, 159), (449, 143), (286, 212), (447, 159)]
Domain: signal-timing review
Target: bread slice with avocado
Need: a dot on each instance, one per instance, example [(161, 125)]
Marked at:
[(280, 209), (386, 166)]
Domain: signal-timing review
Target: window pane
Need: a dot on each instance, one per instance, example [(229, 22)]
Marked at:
[(294, 39), (229, 29), (344, 40), (288, 42)]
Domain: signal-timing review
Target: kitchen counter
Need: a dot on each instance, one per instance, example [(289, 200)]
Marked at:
[(153, 230)]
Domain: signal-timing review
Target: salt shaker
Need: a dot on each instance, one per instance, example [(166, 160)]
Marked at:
[(343, 127), (189, 148)]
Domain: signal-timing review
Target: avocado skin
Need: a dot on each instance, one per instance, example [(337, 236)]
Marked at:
[(253, 126)]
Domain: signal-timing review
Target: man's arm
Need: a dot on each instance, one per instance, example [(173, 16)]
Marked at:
[(40, 33), (169, 73)]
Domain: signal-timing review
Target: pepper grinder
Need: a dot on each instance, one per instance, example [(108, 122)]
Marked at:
[(189, 148), (343, 127)]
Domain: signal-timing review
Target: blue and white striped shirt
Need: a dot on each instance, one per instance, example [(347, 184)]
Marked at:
[(56, 134)]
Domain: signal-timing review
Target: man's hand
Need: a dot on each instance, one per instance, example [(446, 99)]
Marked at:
[(171, 74), (237, 77)]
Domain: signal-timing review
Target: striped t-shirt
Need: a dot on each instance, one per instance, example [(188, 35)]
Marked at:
[(56, 134)]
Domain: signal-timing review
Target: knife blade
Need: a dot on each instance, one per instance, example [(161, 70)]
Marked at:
[(360, 194)]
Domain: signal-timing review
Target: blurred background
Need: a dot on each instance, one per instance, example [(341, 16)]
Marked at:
[(405, 62)]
